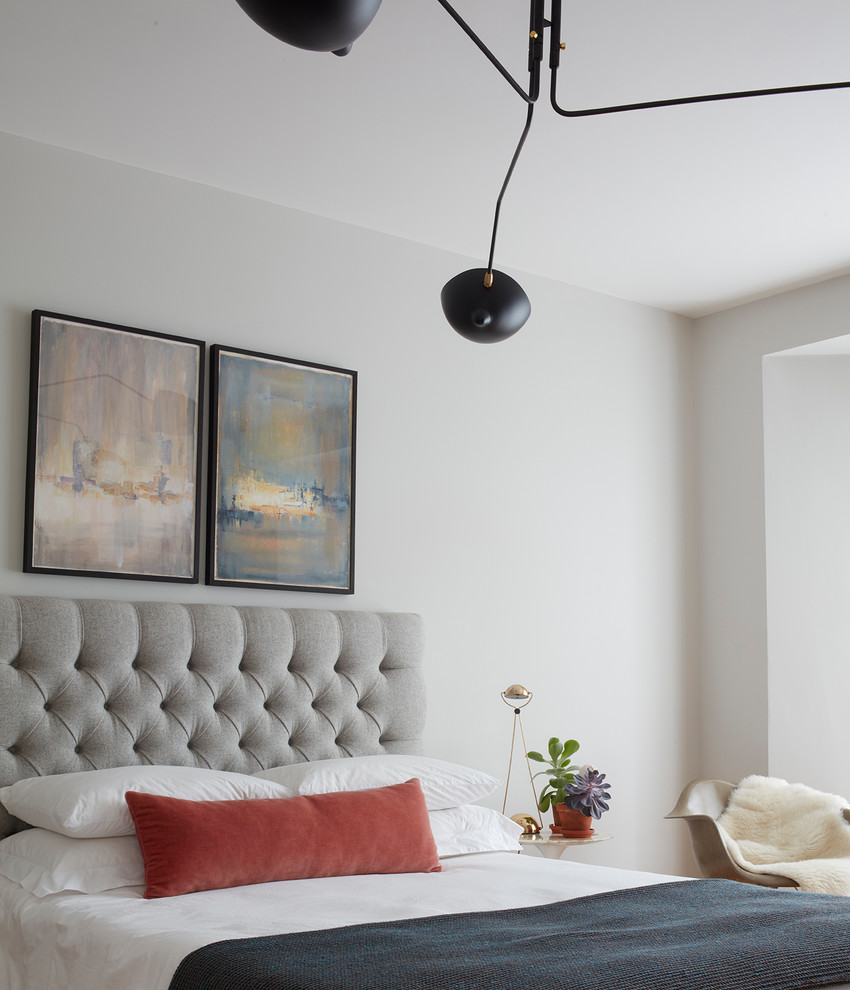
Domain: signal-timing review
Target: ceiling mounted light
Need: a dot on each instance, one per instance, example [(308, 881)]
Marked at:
[(316, 25), (482, 305)]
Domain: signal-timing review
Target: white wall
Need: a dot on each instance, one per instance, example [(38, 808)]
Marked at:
[(731, 529), (807, 527), (533, 500)]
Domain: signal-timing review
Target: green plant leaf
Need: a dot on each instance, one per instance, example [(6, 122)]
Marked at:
[(570, 746), (554, 748), (543, 803), (532, 754)]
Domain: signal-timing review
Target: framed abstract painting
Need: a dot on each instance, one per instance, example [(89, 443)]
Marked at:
[(113, 456), (281, 473)]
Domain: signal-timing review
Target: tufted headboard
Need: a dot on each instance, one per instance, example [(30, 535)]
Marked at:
[(88, 684)]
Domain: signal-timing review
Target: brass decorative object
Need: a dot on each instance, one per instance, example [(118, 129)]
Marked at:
[(517, 697), (530, 825)]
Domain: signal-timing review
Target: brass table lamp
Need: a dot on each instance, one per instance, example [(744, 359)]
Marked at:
[(517, 697)]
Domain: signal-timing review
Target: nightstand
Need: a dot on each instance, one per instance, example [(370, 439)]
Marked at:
[(553, 847)]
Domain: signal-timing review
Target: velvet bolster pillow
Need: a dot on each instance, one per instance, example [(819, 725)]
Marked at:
[(203, 845)]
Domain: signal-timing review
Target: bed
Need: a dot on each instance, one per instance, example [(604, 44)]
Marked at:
[(188, 712)]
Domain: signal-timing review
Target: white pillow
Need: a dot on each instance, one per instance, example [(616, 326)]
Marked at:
[(473, 829), (45, 862), (445, 785), (91, 804)]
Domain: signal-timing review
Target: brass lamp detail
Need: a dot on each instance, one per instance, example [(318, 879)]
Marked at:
[(517, 697)]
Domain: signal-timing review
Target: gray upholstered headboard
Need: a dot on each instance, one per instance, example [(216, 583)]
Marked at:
[(89, 684)]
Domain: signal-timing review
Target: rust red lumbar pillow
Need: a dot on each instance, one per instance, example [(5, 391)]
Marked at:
[(202, 845)]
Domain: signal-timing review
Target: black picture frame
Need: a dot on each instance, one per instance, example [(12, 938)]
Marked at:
[(113, 451), (282, 467)]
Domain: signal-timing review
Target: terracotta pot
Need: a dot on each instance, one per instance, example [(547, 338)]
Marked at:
[(571, 824)]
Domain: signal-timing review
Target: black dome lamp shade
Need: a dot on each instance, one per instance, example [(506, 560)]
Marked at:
[(316, 25), (481, 312), (482, 305)]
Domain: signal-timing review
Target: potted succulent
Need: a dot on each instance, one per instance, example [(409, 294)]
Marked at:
[(576, 794)]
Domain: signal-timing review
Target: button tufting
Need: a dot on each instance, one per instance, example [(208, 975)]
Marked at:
[(13, 750), (107, 706), (78, 749), (47, 706)]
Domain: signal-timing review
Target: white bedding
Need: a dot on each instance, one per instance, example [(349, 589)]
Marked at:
[(120, 941), (117, 940)]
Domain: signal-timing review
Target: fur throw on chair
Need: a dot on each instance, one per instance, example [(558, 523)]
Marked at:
[(789, 830)]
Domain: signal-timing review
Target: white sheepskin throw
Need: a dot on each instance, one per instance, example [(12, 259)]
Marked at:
[(790, 830)]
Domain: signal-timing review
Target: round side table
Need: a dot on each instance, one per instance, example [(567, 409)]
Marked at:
[(553, 847)]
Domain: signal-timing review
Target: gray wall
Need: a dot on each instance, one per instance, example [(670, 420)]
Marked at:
[(807, 531), (735, 667), (533, 500)]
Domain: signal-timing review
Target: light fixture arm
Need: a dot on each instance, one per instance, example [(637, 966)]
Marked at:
[(488, 278), (535, 48), (537, 25), (555, 49)]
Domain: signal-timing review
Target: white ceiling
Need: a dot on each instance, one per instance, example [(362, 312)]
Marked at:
[(692, 209)]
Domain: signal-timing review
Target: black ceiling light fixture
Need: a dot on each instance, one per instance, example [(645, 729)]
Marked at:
[(482, 304), (316, 25)]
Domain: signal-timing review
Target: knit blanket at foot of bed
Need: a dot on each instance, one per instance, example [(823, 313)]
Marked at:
[(698, 935)]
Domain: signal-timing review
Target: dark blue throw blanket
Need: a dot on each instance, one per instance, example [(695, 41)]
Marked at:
[(691, 935)]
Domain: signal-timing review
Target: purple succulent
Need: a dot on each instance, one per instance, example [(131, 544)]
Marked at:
[(587, 793)]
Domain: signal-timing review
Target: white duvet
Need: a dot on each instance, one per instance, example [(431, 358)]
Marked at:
[(117, 940), (120, 941)]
